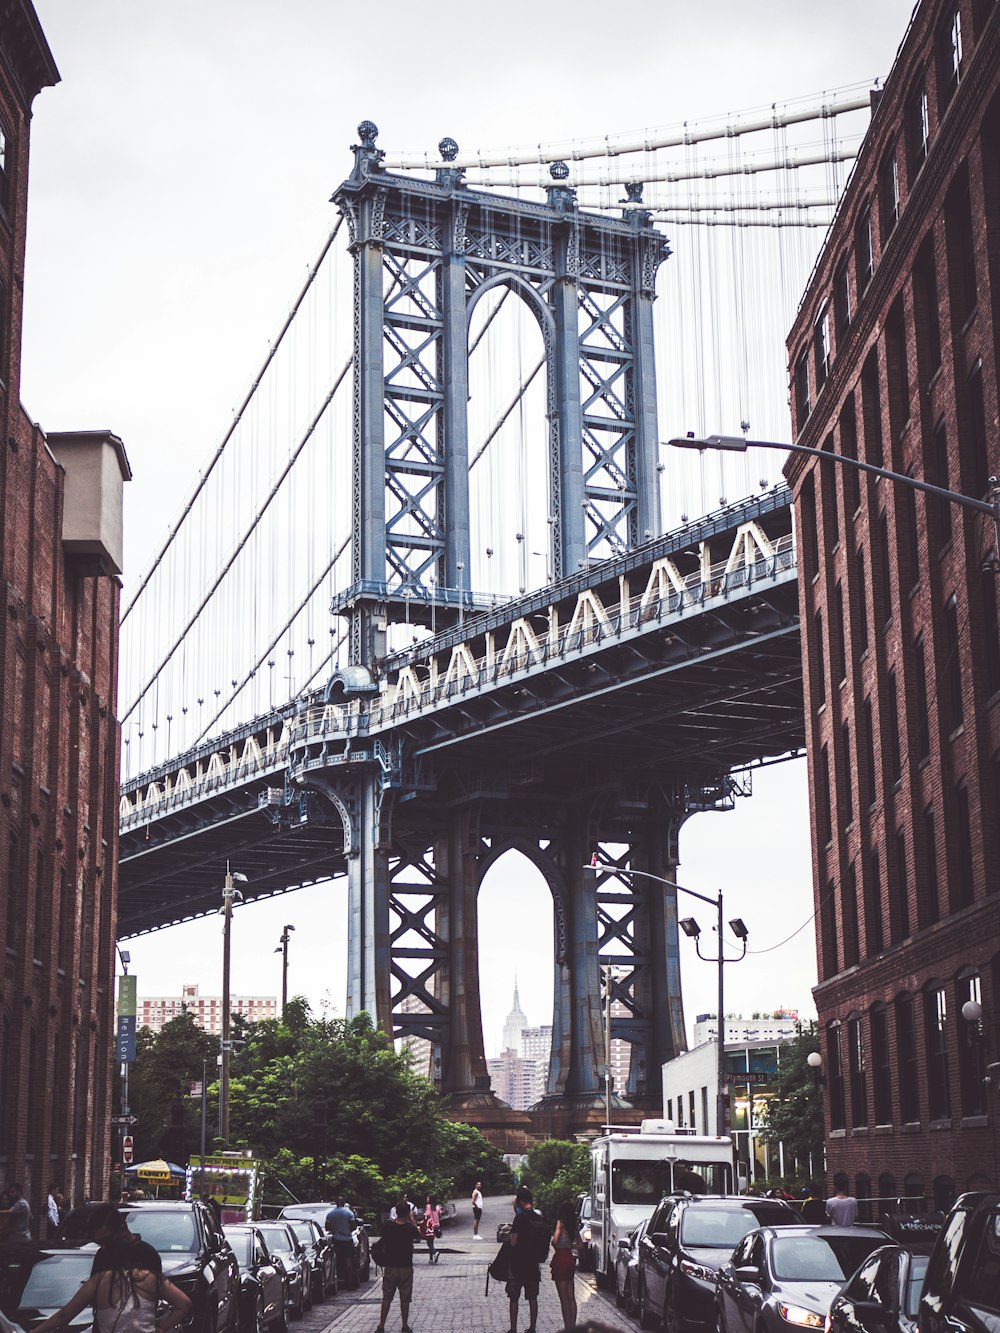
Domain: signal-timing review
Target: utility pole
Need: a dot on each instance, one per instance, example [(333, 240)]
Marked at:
[(229, 893), (283, 950)]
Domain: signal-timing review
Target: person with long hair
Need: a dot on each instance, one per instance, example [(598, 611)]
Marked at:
[(563, 1267), (430, 1227), (126, 1283)]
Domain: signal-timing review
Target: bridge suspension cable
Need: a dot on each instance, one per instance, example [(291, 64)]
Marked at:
[(206, 472)]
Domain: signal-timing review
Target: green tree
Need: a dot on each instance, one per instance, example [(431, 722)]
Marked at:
[(795, 1113), (557, 1170), (468, 1157), (166, 1064)]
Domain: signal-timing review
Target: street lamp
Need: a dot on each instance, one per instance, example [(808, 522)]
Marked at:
[(283, 950), (738, 444), (229, 893), (691, 928)]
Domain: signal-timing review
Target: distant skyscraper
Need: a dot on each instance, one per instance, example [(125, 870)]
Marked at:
[(514, 1026)]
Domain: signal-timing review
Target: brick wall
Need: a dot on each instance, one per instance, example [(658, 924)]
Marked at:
[(58, 754), (898, 598)]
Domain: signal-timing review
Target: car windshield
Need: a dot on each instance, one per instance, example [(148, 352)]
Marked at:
[(911, 1297), (279, 1241), (44, 1281), (167, 1232), (724, 1228), (242, 1245), (303, 1230), (821, 1258), (316, 1211)]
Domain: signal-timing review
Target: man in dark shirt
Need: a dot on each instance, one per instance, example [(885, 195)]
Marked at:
[(119, 1247), (526, 1239), (398, 1238)]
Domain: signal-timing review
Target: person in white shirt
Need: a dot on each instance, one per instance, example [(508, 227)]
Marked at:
[(52, 1208), (842, 1209), (477, 1210)]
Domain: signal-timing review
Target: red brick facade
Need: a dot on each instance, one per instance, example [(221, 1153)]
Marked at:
[(58, 749), (893, 360)]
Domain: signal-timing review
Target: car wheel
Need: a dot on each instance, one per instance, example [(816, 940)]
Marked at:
[(307, 1293), (630, 1301), (365, 1271), (619, 1300), (646, 1317)]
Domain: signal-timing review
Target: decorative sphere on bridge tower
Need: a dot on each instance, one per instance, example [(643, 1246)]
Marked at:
[(559, 171), (368, 133), (448, 149)]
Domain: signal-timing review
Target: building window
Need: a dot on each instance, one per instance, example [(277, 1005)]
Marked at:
[(990, 632), (914, 1199), (918, 130), (822, 347), (881, 1065), (871, 788), (864, 249), (4, 168), (896, 369), (6, 1083), (871, 410), (835, 1076), (885, 553), (861, 602), (888, 194), (874, 931), (912, 536), (971, 1049), (942, 477), (41, 899), (950, 56), (838, 656), (927, 317), (802, 404), (828, 490), (823, 822), (892, 719), (845, 775), (828, 926), (808, 527), (932, 909), (921, 715), (858, 1075), (960, 885), (951, 670), (842, 300), (849, 916), (901, 917), (974, 463), (12, 887), (906, 1056), (936, 1053), (849, 449), (961, 249), (818, 661)]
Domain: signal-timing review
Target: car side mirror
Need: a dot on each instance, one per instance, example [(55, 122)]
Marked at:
[(623, 1244), (747, 1273), (660, 1238)]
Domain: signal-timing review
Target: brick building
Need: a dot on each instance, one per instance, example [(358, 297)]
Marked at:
[(206, 1010), (893, 360), (60, 553)]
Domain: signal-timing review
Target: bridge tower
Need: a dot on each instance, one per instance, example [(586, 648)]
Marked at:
[(425, 252)]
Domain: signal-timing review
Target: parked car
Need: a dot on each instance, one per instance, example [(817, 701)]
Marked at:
[(262, 1281), (317, 1212), (321, 1254), (961, 1291), (285, 1245), (789, 1275), (196, 1256), (688, 1238), (627, 1269), (35, 1283), (883, 1295)]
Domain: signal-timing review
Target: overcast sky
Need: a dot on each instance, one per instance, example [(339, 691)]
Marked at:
[(180, 181)]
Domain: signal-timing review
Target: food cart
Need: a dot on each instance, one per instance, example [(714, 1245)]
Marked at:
[(229, 1180)]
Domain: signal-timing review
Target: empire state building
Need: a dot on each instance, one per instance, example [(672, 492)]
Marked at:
[(515, 1024)]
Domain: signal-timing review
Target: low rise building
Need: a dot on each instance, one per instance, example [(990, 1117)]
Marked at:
[(206, 1010)]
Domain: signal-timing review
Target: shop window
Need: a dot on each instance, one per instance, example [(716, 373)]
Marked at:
[(906, 1057), (881, 1066), (858, 1073), (936, 1053), (971, 1048)]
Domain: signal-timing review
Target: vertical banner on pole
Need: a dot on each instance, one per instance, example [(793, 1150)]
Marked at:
[(125, 1039)]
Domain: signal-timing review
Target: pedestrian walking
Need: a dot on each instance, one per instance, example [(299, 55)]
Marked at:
[(563, 1266), (126, 1283), (477, 1209), (430, 1227), (340, 1223), (529, 1245), (398, 1239), (842, 1207), (18, 1215)]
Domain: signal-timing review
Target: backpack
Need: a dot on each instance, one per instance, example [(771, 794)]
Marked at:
[(377, 1252), (538, 1238), (499, 1269)]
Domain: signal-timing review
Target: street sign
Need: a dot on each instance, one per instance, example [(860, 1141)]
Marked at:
[(753, 1076), (127, 1149), (123, 1121)]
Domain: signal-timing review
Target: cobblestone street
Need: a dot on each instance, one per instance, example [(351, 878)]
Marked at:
[(449, 1296)]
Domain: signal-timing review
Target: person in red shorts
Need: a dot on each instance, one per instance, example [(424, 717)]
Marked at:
[(563, 1266)]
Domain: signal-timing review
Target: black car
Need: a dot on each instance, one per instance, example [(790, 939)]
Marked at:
[(285, 1245), (321, 1254), (262, 1281), (35, 1283), (196, 1257), (627, 1269), (961, 1292), (688, 1237), (883, 1295), (787, 1276), (361, 1261)]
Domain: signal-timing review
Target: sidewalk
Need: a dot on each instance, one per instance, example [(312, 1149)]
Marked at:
[(448, 1297)]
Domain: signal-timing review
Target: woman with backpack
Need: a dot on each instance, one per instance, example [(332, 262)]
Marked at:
[(430, 1227), (563, 1265)]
